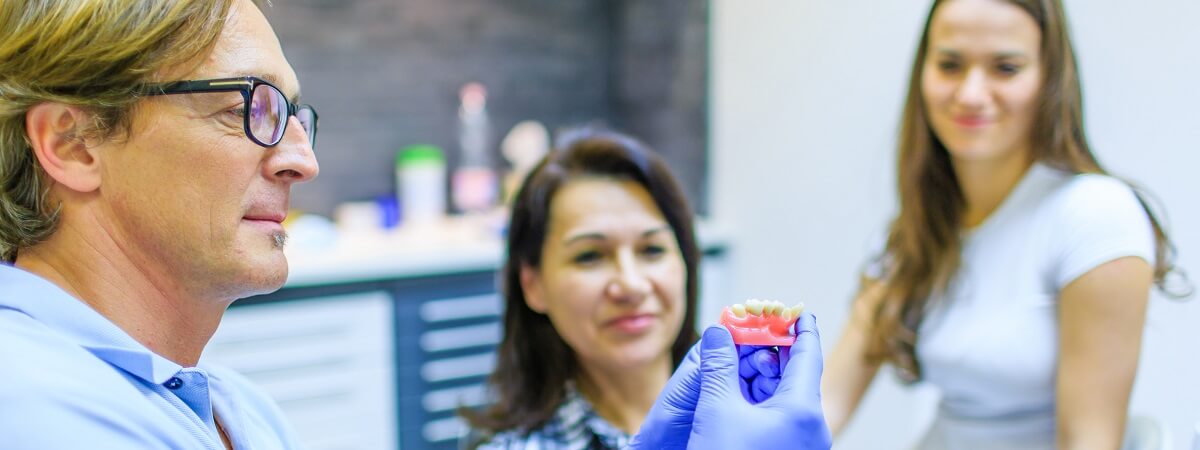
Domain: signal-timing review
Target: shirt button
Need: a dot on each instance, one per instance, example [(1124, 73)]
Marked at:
[(173, 384)]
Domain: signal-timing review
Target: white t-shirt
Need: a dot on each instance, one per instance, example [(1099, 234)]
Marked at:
[(990, 345)]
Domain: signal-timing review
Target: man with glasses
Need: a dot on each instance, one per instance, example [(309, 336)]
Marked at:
[(147, 153)]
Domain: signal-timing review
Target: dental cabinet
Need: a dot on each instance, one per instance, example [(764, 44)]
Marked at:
[(374, 343)]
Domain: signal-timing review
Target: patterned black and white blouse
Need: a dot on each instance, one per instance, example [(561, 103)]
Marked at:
[(575, 426)]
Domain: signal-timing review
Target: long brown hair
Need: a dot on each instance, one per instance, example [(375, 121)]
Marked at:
[(923, 244), (533, 362)]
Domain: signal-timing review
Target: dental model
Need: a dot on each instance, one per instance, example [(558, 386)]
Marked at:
[(761, 322)]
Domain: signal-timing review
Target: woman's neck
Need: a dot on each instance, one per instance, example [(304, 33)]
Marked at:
[(624, 396), (985, 184)]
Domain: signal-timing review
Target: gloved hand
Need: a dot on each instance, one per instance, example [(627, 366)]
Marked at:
[(669, 423), (759, 367), (790, 419), (691, 410)]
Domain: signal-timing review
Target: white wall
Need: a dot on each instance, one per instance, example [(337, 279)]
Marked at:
[(805, 104)]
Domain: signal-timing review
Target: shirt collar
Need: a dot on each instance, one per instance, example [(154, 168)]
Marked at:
[(51, 305)]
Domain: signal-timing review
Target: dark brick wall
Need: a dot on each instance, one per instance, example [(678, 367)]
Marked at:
[(660, 83), (385, 74)]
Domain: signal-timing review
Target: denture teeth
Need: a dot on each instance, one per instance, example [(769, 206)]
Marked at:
[(777, 308), (739, 310), (797, 310), (754, 306)]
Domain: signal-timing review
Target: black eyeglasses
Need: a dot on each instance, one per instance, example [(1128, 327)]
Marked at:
[(265, 110)]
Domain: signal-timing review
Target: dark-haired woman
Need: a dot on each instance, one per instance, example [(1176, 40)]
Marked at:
[(600, 289), (1016, 275)]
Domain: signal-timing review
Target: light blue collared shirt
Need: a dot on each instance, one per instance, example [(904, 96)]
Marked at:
[(71, 379)]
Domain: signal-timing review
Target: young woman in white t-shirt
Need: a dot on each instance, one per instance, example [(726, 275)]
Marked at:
[(1016, 275)]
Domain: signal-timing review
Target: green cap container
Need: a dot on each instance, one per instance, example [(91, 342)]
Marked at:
[(420, 154)]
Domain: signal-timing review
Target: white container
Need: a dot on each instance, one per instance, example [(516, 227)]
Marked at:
[(421, 182)]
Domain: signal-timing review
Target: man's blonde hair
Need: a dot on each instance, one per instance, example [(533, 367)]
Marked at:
[(92, 54)]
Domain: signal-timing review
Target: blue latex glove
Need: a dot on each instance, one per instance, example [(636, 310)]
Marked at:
[(669, 423), (790, 419), (686, 401), (760, 368)]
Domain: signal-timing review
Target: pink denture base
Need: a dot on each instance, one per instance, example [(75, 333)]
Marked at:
[(759, 330)]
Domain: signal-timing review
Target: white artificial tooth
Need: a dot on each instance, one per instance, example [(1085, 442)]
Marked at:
[(787, 315), (754, 306), (739, 310), (797, 310)]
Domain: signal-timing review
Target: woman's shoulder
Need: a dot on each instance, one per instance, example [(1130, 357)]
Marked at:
[(1095, 218), (1093, 186), (1088, 198)]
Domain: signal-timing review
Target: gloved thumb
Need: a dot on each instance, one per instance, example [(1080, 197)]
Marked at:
[(719, 379), (801, 380), (669, 423), (720, 390)]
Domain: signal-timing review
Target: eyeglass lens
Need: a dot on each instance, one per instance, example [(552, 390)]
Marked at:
[(308, 120), (268, 110), (269, 115)]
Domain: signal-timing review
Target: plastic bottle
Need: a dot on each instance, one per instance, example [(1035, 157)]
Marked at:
[(421, 182), (474, 185)]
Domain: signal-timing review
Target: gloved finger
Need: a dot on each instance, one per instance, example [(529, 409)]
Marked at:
[(745, 369), (669, 423), (758, 360), (801, 380), (744, 350), (719, 378), (765, 361), (683, 388), (746, 393), (785, 355), (763, 388)]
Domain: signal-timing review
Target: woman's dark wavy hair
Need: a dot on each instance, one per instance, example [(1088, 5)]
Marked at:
[(533, 362)]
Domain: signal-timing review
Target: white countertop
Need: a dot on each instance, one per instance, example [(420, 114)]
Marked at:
[(405, 253)]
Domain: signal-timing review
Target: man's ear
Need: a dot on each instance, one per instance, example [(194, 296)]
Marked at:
[(56, 132), (531, 285)]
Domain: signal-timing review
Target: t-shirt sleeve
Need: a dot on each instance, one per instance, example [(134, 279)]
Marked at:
[(1101, 220)]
